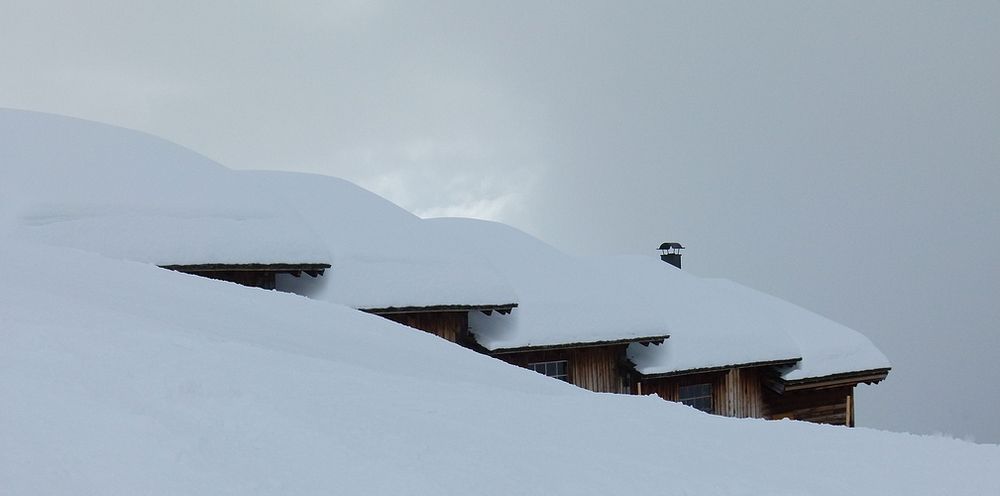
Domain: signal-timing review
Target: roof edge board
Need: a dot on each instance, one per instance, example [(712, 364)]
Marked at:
[(870, 376), (251, 267), (439, 308), (586, 344)]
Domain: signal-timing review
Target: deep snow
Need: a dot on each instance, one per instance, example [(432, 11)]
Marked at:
[(117, 377), (121, 378)]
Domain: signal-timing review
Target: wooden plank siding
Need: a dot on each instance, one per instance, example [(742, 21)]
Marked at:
[(452, 326), (735, 392), (742, 393), (824, 406), (602, 369), (253, 279)]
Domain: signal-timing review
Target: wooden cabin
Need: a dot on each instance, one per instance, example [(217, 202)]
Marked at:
[(749, 390), (757, 390), (254, 275), (601, 367)]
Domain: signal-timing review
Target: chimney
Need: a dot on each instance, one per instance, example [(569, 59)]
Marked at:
[(670, 252)]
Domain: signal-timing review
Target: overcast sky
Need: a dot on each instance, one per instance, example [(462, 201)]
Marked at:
[(844, 156)]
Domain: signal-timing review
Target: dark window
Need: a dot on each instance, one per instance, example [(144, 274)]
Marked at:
[(558, 369), (697, 395)]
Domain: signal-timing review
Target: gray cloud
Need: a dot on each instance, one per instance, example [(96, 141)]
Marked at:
[(842, 156)]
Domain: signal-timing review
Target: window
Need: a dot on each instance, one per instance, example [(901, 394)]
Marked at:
[(558, 369), (697, 395)]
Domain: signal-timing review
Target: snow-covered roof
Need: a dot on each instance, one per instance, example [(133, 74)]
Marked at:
[(383, 256), (129, 195), (711, 323), (827, 347), (562, 299), (709, 328)]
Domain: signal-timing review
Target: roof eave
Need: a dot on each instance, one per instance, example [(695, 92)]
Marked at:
[(657, 339), (248, 267), (500, 308), (870, 376)]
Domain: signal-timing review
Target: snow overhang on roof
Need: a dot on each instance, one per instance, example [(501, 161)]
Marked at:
[(780, 385), (717, 368), (828, 349), (644, 341)]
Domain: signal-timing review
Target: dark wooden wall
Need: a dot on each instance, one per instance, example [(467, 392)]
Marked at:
[(452, 326), (824, 406), (603, 369), (743, 393), (735, 392), (252, 278)]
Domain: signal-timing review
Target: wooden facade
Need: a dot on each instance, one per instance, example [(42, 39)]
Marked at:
[(453, 326), (757, 391), (603, 369), (736, 392), (450, 322), (824, 406)]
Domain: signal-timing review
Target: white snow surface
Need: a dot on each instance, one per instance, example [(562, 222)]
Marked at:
[(827, 347), (383, 256), (561, 299), (126, 194), (710, 327), (121, 378), (117, 377)]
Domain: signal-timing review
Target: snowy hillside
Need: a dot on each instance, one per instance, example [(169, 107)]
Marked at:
[(118, 377)]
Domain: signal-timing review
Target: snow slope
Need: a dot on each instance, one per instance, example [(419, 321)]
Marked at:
[(110, 190), (383, 255), (120, 378)]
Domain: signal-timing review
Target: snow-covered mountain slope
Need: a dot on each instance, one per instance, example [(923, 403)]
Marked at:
[(127, 194), (121, 378)]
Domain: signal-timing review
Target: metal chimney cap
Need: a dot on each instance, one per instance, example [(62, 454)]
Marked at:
[(670, 245)]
